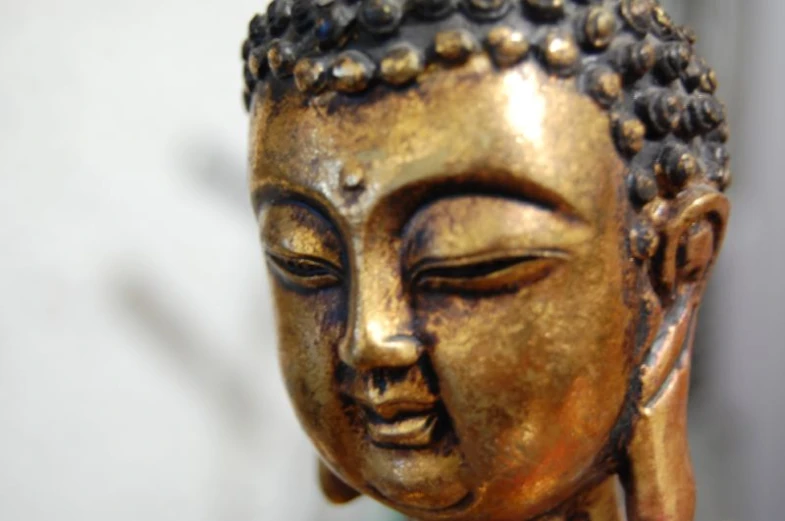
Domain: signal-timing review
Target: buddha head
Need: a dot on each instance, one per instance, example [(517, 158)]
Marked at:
[(488, 226)]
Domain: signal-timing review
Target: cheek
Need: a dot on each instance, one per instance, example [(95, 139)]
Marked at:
[(309, 328), (533, 376)]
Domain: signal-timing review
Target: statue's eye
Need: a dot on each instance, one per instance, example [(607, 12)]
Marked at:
[(304, 272), (486, 273)]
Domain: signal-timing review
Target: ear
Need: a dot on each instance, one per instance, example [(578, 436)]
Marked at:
[(333, 487), (691, 230), (658, 476), (691, 237)]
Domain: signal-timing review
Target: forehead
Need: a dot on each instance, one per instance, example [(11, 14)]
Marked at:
[(520, 127)]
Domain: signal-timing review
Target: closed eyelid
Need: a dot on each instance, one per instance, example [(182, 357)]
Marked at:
[(468, 229), (304, 273), (486, 258), (283, 255), (292, 230), (489, 274)]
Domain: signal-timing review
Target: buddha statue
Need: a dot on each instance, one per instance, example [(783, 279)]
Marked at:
[(489, 226)]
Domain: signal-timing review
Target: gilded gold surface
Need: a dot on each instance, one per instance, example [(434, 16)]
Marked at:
[(469, 325)]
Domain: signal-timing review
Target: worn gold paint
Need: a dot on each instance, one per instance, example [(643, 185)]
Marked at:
[(455, 45), (309, 75), (609, 86), (507, 45), (599, 27), (401, 65), (560, 49)]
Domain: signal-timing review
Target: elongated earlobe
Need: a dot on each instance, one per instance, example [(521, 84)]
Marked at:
[(657, 474), (333, 487), (659, 481)]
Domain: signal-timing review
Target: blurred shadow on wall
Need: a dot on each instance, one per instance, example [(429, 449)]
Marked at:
[(193, 351)]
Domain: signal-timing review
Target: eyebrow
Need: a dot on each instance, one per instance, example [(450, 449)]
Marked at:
[(495, 183), (418, 193), (276, 191)]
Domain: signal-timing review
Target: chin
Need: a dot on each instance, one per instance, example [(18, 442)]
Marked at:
[(417, 481)]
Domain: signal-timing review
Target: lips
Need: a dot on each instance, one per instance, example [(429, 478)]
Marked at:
[(396, 420), (405, 430), (397, 406)]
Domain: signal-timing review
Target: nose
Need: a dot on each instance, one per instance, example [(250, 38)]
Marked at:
[(369, 348), (379, 331)]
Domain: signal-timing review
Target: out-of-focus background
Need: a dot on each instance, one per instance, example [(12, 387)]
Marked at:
[(138, 375)]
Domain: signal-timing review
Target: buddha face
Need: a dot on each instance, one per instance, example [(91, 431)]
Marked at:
[(449, 269)]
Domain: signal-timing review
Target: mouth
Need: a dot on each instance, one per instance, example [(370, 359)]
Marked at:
[(405, 430), (399, 408)]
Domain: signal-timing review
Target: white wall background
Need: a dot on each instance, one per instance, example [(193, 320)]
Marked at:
[(138, 378)]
